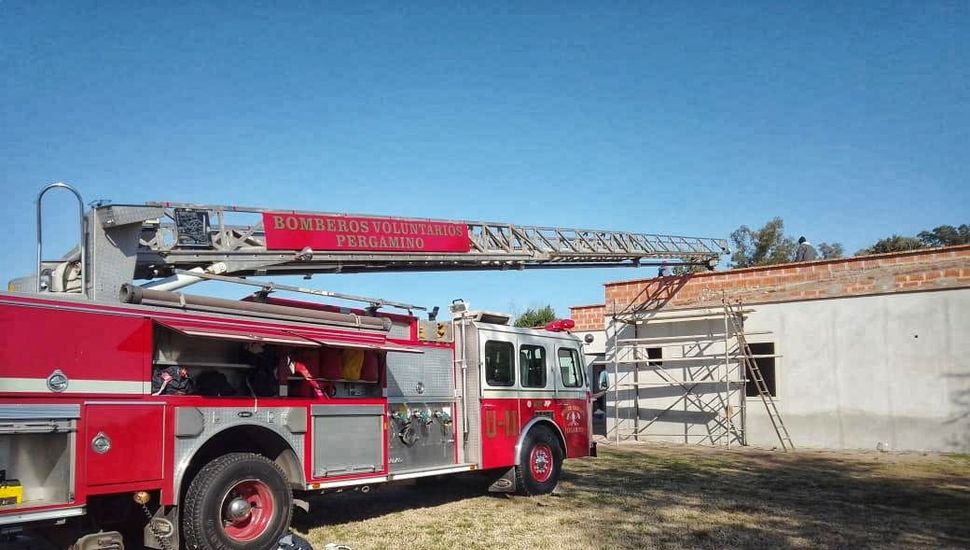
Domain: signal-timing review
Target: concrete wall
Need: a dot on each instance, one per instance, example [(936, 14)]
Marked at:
[(856, 372)]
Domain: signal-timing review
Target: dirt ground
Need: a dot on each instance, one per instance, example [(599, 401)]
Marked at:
[(664, 496)]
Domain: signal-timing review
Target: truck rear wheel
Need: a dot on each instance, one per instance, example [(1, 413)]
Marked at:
[(237, 501), (540, 463)]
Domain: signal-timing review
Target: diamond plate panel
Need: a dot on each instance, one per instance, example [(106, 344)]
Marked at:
[(217, 419), (400, 331), (431, 371), (118, 215)]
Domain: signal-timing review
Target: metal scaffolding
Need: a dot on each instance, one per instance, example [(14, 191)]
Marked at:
[(686, 369)]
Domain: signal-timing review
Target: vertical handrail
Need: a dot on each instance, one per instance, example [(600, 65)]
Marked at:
[(82, 245), (461, 357)]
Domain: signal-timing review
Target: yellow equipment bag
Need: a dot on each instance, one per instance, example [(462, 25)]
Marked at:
[(353, 363)]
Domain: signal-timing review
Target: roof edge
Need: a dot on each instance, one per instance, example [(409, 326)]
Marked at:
[(798, 265)]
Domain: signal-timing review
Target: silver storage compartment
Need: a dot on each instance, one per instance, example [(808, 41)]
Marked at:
[(37, 449), (347, 439)]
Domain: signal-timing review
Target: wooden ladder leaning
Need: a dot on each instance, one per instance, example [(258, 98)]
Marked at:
[(734, 315)]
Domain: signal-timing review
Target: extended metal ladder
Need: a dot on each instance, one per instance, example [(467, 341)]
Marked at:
[(746, 357), (160, 241), (187, 236)]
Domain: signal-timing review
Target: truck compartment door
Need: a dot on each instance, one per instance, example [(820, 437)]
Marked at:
[(347, 439), (123, 443)]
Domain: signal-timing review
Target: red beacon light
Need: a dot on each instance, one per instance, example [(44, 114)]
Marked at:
[(561, 325)]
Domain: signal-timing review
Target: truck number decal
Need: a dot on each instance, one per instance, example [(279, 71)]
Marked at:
[(509, 423)]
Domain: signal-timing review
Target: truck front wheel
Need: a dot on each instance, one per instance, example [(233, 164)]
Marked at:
[(237, 501), (540, 462)]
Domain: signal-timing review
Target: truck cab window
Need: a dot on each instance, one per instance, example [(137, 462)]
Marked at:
[(532, 364), (569, 368), (499, 363)]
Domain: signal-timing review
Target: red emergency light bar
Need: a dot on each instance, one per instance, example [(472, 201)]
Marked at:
[(561, 325)]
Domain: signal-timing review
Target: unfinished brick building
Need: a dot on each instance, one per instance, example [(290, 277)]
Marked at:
[(863, 352)]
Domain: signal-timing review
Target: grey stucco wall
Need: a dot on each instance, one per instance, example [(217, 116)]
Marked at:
[(854, 373), (857, 372)]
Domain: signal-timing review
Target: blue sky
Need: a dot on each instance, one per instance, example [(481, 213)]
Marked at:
[(849, 120)]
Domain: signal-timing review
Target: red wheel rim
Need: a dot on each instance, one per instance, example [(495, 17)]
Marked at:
[(540, 462), (247, 510)]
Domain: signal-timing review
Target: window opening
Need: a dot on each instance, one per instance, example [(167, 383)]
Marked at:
[(499, 363), (532, 363), (767, 367), (570, 368)]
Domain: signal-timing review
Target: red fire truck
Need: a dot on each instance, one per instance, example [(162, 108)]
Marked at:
[(134, 413)]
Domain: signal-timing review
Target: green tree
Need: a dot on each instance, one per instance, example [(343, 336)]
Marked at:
[(536, 317), (830, 251), (896, 243), (946, 235), (764, 246), (681, 270)]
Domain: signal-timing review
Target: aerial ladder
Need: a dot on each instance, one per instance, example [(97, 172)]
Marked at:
[(166, 245)]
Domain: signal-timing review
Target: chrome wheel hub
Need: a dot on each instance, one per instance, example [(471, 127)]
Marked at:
[(541, 461), (238, 510)]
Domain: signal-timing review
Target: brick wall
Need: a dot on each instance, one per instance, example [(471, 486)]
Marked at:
[(588, 317), (938, 268)]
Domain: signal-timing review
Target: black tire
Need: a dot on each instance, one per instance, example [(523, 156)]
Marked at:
[(249, 477), (530, 478)]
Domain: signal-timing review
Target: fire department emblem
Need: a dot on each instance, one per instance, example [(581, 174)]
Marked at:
[(573, 417)]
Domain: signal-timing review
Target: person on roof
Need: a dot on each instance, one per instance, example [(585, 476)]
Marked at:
[(805, 251)]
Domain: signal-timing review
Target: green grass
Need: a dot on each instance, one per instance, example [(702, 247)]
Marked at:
[(674, 497)]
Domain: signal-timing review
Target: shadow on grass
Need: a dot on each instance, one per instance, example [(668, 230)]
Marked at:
[(350, 506), (684, 497), (766, 500)]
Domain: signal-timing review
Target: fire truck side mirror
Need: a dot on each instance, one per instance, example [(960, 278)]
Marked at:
[(603, 383)]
